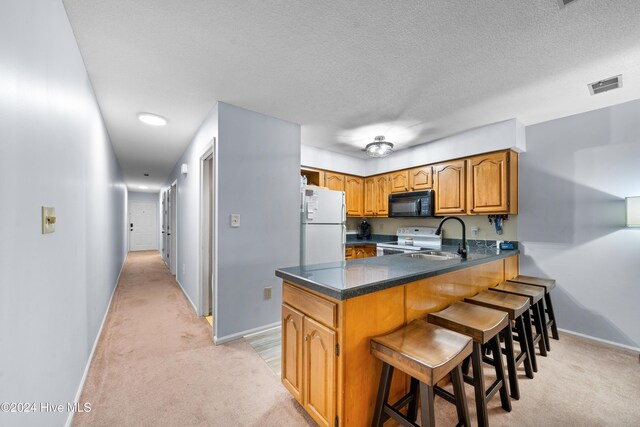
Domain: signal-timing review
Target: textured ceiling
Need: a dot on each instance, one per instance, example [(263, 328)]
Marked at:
[(347, 71)]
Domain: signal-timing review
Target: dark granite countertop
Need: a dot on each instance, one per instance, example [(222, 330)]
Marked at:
[(352, 239), (348, 279)]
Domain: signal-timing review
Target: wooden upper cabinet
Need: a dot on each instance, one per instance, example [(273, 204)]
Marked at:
[(354, 195), (450, 187), (370, 196), (334, 181), (420, 178), (292, 345), (382, 190), (399, 181), (492, 183), (319, 372)]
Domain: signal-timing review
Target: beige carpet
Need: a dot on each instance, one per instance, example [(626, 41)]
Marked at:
[(155, 364)]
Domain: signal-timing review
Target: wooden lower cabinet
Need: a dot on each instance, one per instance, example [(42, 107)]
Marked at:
[(319, 360), (330, 349), (349, 253), (360, 251)]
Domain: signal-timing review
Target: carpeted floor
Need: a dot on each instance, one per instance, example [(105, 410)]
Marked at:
[(155, 364)]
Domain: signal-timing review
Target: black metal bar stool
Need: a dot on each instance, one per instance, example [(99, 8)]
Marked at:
[(515, 306), (548, 285), (535, 295), (483, 325), (427, 353)]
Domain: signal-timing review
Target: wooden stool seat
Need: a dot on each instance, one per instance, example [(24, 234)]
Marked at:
[(480, 323), (548, 285), (516, 306), (427, 353), (483, 325), (536, 299)]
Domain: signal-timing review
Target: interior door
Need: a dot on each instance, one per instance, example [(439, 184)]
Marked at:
[(143, 226)]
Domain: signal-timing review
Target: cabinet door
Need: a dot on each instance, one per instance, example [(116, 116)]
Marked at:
[(488, 183), (359, 252), (421, 178), (354, 190), (369, 197), (334, 181), (319, 372), (348, 252), (370, 251), (450, 188), (292, 347), (382, 195), (399, 181)]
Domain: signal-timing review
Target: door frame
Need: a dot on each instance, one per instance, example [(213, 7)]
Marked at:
[(173, 219), (203, 306)]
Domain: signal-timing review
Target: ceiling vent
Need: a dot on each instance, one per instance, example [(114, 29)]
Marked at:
[(605, 85), (563, 3)]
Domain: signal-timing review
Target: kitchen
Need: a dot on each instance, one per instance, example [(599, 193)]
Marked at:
[(518, 118)]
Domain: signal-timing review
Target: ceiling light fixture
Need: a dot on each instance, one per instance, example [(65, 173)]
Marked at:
[(143, 187), (379, 148), (152, 119)]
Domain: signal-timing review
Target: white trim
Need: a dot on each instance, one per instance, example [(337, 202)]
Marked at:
[(601, 341), (214, 309), (242, 334), (76, 399), (187, 295), (208, 152), (174, 230), (265, 330)]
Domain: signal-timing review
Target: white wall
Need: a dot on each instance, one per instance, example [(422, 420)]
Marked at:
[(329, 160), (573, 180), (257, 173), (54, 151)]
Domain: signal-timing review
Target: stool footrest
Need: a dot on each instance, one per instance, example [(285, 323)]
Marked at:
[(396, 415), (446, 395), (493, 389)]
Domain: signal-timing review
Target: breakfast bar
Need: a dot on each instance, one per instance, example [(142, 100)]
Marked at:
[(331, 311)]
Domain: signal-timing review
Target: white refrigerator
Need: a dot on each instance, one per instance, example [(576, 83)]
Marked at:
[(323, 231)]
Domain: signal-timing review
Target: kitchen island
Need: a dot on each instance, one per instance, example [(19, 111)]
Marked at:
[(330, 311)]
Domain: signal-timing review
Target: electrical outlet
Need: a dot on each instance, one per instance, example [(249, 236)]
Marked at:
[(474, 231), (235, 220), (267, 292)]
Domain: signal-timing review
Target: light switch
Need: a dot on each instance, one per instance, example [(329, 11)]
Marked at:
[(474, 231), (48, 220), (235, 220)]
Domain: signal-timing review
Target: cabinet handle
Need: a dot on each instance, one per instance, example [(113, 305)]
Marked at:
[(306, 337)]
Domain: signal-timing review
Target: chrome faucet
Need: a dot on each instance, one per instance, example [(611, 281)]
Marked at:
[(462, 249)]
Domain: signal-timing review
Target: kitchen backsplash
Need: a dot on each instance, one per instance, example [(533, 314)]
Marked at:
[(451, 230)]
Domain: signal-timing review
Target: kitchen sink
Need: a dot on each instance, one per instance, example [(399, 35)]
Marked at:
[(433, 255)]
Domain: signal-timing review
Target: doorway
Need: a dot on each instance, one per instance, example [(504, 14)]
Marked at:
[(207, 230), (164, 214), (172, 229), (143, 225)]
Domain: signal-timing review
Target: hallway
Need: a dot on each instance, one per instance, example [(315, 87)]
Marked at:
[(155, 363)]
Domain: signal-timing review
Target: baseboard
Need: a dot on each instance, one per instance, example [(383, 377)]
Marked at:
[(93, 349), (186, 295), (601, 341), (238, 335)]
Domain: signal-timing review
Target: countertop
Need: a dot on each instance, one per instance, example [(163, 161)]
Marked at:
[(352, 239), (348, 279)]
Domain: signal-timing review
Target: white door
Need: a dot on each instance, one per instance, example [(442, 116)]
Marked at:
[(143, 226)]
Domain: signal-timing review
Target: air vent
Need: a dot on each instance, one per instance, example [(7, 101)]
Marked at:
[(605, 85), (563, 3)]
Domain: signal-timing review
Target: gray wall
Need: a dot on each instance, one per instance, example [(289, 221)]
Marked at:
[(54, 151), (144, 197), (258, 177), (573, 180)]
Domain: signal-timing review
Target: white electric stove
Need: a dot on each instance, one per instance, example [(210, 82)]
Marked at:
[(411, 239)]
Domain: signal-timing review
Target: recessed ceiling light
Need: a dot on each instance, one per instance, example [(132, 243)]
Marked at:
[(143, 187), (146, 174), (152, 119)]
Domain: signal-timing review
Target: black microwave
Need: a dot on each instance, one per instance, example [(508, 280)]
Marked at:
[(416, 204)]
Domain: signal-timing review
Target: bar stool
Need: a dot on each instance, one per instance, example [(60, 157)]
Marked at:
[(482, 325), (535, 295), (515, 306), (548, 285), (427, 353)]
